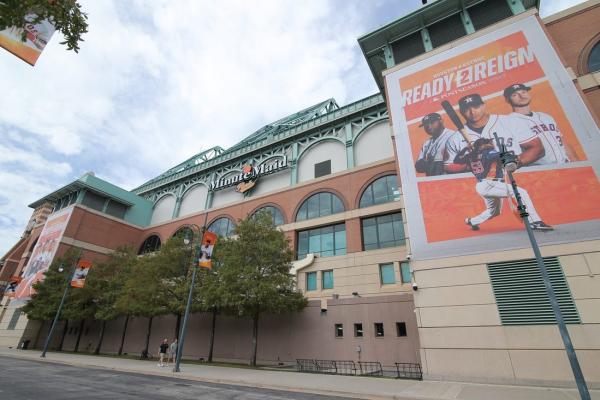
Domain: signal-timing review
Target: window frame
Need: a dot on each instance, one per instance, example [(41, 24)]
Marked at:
[(311, 274), (381, 275), (405, 269), (378, 243), (356, 330), (369, 191), (230, 228), (401, 328), (305, 213), (323, 272), (375, 326), (338, 235), (144, 247), (276, 213), (338, 330)]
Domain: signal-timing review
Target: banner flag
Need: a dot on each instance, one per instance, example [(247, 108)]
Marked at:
[(37, 37), (83, 268), (209, 239)]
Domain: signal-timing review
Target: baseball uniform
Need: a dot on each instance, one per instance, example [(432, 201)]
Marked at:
[(433, 151), (543, 126)]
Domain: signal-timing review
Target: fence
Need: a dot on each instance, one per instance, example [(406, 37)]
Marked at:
[(409, 371)]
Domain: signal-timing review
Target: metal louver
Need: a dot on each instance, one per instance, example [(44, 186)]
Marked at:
[(521, 296)]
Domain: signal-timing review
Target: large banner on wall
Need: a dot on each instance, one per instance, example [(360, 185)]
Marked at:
[(43, 252), (510, 82), (37, 37)]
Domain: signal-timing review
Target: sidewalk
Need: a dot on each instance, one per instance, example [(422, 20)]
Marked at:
[(334, 385)]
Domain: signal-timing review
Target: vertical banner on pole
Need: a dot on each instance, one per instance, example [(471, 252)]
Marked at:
[(209, 239), (37, 37), (83, 268)]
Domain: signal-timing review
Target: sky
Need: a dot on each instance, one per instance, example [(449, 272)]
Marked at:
[(157, 81)]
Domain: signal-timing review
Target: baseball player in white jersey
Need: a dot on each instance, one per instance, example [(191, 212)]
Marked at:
[(539, 123), (431, 157), (491, 186)]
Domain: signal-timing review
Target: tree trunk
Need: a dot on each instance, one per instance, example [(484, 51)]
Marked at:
[(178, 326), (102, 328), (79, 335), (212, 335), (62, 339), (148, 334), (254, 338), (123, 335)]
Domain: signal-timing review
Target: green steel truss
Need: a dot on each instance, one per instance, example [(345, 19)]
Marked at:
[(325, 121)]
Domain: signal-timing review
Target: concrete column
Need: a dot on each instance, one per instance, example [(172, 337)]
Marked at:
[(426, 39), (349, 147), (467, 23), (353, 235), (516, 6)]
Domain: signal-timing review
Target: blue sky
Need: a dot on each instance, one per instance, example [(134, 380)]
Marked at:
[(157, 81)]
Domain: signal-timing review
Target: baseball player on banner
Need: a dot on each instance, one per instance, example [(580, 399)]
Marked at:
[(431, 157), (539, 123)]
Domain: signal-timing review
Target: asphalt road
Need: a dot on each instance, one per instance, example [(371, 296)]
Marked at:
[(32, 380)]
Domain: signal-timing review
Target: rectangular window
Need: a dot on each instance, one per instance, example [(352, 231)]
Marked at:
[(447, 30), (401, 329), (521, 295), (311, 281), (386, 273), (322, 168), (358, 330), (14, 319), (378, 329), (325, 241), (339, 330), (405, 272), (383, 231), (327, 279), (116, 209)]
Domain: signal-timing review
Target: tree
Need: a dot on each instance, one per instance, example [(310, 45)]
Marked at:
[(106, 281), (254, 273), (44, 303), (65, 15), (158, 284)]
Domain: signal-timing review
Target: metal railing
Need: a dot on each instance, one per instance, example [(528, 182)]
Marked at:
[(372, 368), (409, 371)]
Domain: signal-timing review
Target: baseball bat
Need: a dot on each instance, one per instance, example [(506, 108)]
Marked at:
[(456, 121)]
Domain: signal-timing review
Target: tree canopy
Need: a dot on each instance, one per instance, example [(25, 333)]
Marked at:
[(66, 16)]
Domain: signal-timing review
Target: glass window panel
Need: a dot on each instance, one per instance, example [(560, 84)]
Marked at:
[(340, 239), (326, 241), (380, 191), (339, 330), (311, 281), (378, 329), (324, 204), (337, 205), (367, 198), (327, 279), (383, 231), (405, 272), (401, 329), (358, 330), (594, 59), (314, 242), (302, 244), (386, 272), (313, 207), (302, 212)]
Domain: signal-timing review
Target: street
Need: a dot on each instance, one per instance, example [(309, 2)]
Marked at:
[(33, 380)]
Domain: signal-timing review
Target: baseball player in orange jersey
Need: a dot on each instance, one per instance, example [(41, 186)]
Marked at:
[(480, 124), (539, 123)]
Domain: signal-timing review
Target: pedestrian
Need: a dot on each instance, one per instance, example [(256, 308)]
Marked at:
[(173, 351), (162, 351)]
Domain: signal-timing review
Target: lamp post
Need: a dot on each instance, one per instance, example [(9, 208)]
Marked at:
[(510, 164), (62, 302), (189, 301)]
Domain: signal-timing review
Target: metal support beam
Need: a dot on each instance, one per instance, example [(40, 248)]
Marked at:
[(349, 146), (388, 55), (516, 6), (467, 23), (426, 39), (294, 164)]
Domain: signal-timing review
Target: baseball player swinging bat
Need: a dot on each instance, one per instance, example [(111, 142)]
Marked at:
[(456, 121)]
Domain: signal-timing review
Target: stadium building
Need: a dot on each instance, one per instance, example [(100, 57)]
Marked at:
[(330, 177)]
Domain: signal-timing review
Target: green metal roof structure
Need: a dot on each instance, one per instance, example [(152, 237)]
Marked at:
[(266, 132), (432, 26)]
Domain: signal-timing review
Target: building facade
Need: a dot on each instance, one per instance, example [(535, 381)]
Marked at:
[(329, 176)]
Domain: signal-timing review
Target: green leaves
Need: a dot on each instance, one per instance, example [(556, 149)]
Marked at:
[(66, 16)]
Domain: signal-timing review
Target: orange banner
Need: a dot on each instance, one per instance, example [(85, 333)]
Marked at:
[(209, 240), (81, 273)]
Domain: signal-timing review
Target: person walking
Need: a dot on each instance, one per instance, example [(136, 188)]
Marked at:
[(162, 351), (172, 351)]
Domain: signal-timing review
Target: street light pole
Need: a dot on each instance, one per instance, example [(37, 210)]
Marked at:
[(509, 161), (62, 302), (189, 302)]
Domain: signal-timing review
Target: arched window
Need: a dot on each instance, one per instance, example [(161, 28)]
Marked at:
[(222, 227), (185, 233), (151, 244), (275, 214), (594, 59), (382, 190), (319, 205)]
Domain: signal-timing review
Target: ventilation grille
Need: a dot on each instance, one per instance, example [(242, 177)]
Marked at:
[(488, 12), (521, 295)]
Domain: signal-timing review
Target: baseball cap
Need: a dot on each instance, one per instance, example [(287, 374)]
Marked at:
[(430, 118), (472, 100), (513, 88)]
